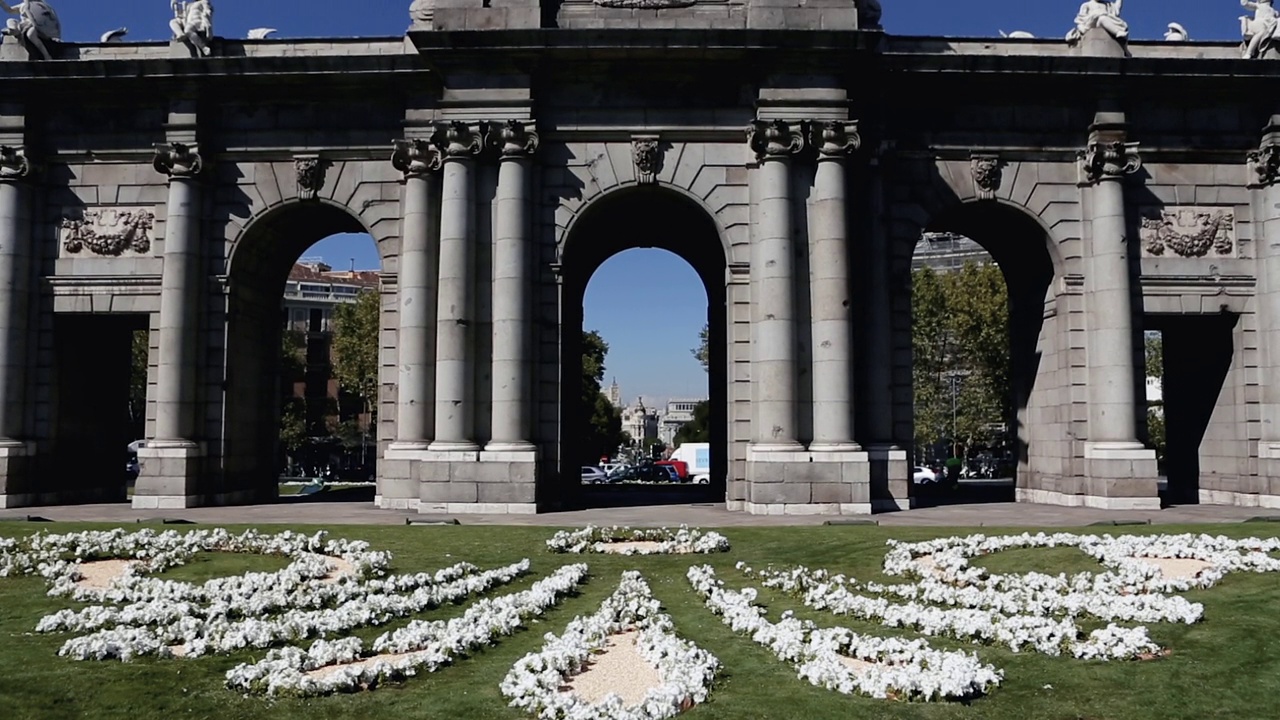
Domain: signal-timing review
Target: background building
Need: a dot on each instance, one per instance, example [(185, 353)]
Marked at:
[(679, 412), (947, 252)]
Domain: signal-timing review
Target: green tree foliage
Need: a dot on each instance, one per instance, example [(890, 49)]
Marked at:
[(355, 347), (703, 351), (601, 430), (697, 430), (960, 341), (138, 381), (293, 410), (1154, 351)]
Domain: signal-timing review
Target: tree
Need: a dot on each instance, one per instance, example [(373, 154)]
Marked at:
[(961, 371), (703, 351), (697, 430), (601, 429), (293, 410), (1153, 346), (355, 348), (138, 381)]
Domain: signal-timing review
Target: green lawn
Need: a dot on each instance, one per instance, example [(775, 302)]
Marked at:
[(1224, 667)]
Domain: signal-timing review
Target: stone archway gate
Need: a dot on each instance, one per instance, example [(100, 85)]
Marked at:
[(129, 173)]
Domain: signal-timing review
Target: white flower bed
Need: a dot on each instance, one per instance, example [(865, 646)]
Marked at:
[(142, 615), (686, 671), (418, 647), (682, 540), (1032, 611), (906, 669)]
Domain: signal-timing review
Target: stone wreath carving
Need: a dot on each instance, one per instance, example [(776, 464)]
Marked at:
[(1189, 232), (109, 231), (645, 4)]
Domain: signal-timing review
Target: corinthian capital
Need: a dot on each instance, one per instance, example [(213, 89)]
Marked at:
[(1108, 160), (177, 160), (1264, 163), (415, 158), (459, 139), (14, 164), (835, 138), (514, 138), (775, 138)]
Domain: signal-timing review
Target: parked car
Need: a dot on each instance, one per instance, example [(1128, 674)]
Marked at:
[(592, 474), (132, 469), (659, 469), (681, 468), (923, 475)]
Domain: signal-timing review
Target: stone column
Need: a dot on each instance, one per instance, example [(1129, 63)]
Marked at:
[(829, 290), (179, 298), (879, 330), (459, 143), (15, 219), (1264, 164), (512, 292), (415, 286), (773, 316), (1104, 164)]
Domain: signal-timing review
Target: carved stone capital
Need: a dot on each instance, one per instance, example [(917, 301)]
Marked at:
[(646, 155), (415, 158), (1106, 159), (309, 172), (14, 164), (835, 138), (514, 139), (988, 173), (774, 139), (459, 140), (178, 160)]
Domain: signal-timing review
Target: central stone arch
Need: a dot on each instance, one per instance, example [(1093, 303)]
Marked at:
[(650, 216)]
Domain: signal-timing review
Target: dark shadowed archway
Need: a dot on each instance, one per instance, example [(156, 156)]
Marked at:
[(644, 217)]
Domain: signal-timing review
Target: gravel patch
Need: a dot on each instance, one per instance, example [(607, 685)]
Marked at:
[(98, 574), (619, 669), (1177, 568)]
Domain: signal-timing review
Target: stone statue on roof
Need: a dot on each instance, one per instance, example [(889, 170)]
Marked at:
[(1102, 14), (36, 23), (193, 22), (1259, 32)]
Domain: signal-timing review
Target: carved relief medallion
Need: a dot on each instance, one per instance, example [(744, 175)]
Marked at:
[(112, 231), (1188, 231), (988, 173)]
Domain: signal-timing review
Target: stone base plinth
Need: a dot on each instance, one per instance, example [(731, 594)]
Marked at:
[(434, 482), (1117, 477), (806, 483), (1239, 499), (16, 477), (169, 478), (890, 479)]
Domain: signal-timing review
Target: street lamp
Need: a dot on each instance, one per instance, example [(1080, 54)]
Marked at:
[(954, 445)]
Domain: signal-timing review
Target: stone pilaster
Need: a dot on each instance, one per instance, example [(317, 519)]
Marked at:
[(773, 287), (15, 241), (459, 143), (512, 395), (1120, 472), (168, 463), (829, 289), (1264, 179)]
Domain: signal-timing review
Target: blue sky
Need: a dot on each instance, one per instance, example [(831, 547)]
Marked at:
[(648, 304)]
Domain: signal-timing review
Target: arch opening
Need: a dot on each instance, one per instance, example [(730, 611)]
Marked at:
[(983, 324), (285, 414), (625, 220)]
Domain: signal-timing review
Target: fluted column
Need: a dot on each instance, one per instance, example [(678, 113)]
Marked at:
[(829, 289), (459, 143), (179, 297), (15, 219), (512, 292), (419, 160), (773, 316), (1104, 163)]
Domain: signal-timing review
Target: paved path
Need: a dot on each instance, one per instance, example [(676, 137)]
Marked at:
[(304, 512)]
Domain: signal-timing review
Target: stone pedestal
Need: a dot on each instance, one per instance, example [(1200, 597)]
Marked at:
[(499, 483), (17, 487), (890, 478), (808, 483), (172, 474)]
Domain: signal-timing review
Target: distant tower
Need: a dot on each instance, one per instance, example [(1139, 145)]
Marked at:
[(615, 394)]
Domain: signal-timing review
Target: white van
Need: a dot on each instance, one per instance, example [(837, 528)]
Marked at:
[(698, 457)]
